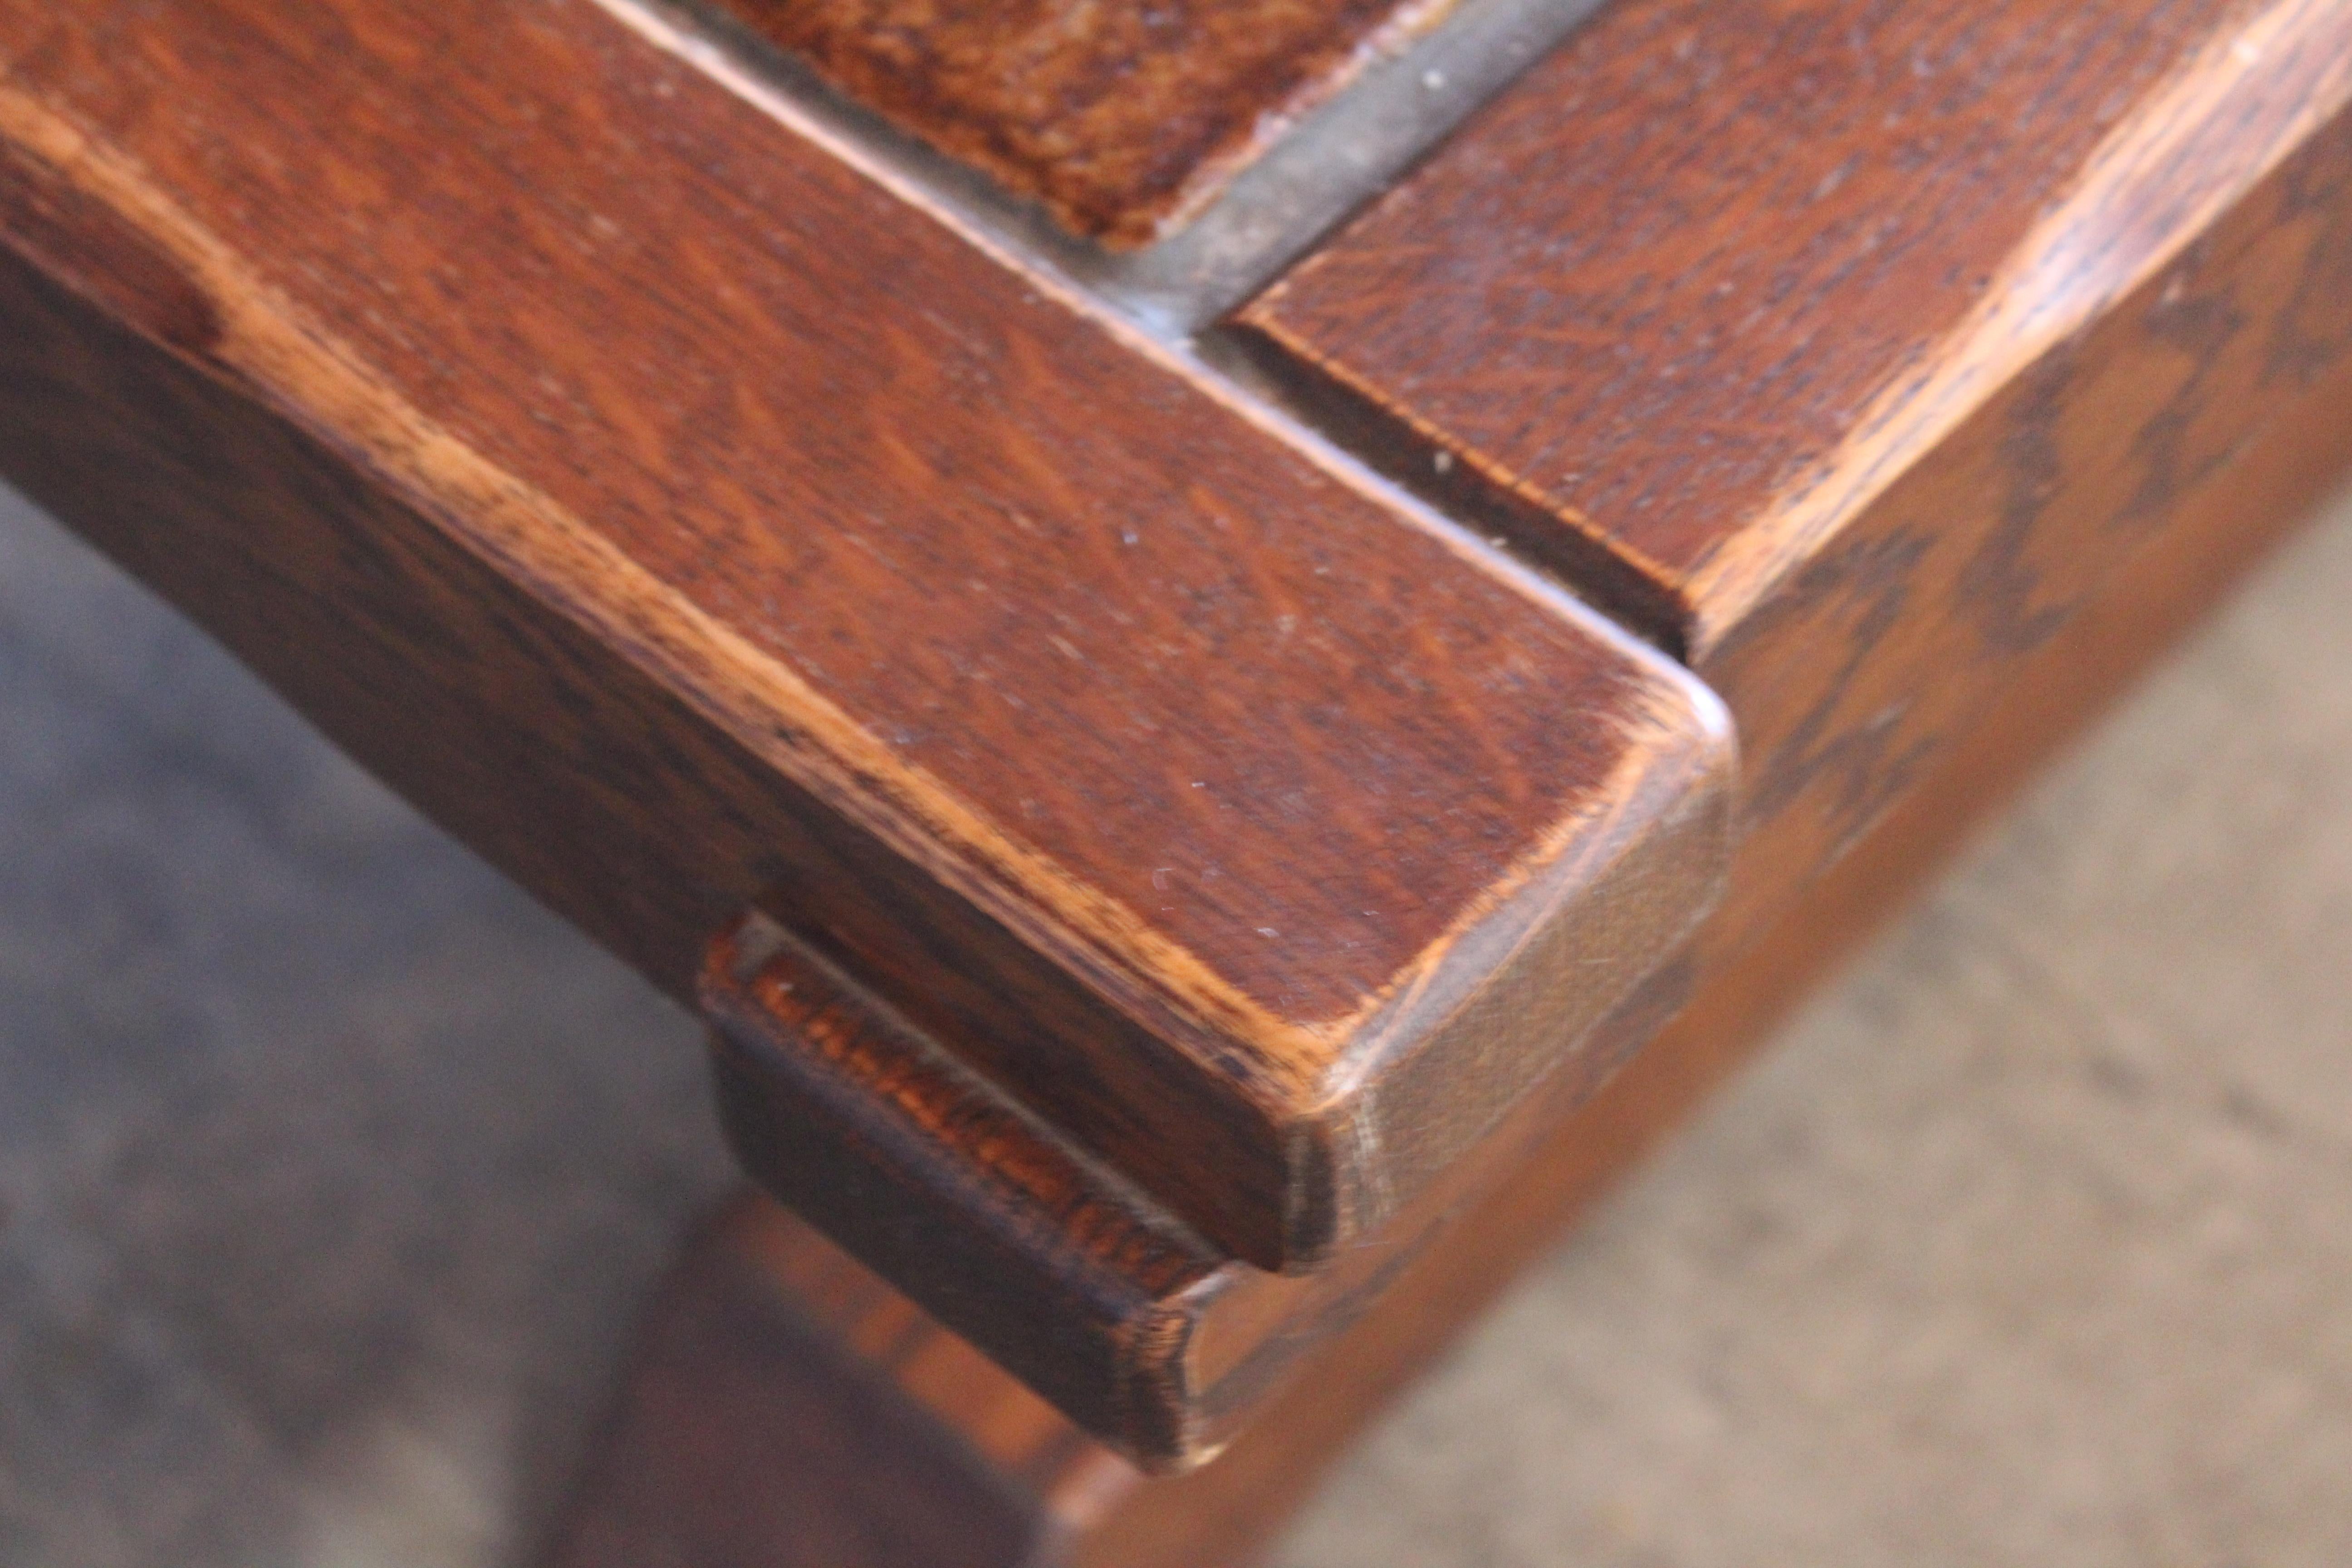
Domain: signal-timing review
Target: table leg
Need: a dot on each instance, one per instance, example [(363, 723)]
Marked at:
[(786, 1408)]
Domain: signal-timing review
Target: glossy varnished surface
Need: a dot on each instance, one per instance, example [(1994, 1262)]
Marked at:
[(1172, 777), (1084, 1506), (1879, 660), (1662, 283), (1849, 346), (1119, 117), (1062, 1274), (697, 525)]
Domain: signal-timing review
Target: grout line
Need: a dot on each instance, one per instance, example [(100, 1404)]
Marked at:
[(1312, 176)]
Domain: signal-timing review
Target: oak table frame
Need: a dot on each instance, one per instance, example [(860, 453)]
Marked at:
[(1173, 835)]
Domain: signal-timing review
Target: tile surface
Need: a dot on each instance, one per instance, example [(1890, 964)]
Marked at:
[(1121, 117)]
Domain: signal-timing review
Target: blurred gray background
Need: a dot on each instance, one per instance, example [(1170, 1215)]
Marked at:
[(330, 1169)]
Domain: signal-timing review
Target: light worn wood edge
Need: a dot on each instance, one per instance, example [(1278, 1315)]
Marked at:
[(972, 1207), (1092, 1512), (2210, 134), (263, 342)]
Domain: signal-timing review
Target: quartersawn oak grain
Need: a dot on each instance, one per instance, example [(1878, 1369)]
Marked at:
[(1847, 346), (2113, 438), (1154, 1343), (1067, 1277), (693, 521), (686, 1469), (1122, 117)]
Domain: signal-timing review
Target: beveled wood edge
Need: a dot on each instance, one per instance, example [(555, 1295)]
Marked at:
[(1456, 478), (2135, 616), (264, 340), (266, 345), (1516, 1007), (969, 1204), (1159, 1347), (1096, 1510), (2254, 95), (1154, 1342), (2154, 184)]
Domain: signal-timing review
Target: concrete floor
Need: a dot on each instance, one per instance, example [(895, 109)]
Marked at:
[(330, 1168)]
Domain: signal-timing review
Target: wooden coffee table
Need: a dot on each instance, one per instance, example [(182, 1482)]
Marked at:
[(1233, 648)]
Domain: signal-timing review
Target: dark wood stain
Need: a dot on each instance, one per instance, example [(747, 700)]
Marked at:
[(1120, 116), (1847, 346), (979, 1213), (1864, 675), (1088, 1509), (83, 240), (1670, 271), (705, 526), (1055, 585), (1858, 670)]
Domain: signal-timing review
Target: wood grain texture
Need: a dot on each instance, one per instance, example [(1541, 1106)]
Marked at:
[(1025, 1441), (2275, 263), (1086, 1507), (1881, 657), (1225, 1512), (2132, 445), (1066, 1277), (710, 524), (1151, 1342), (1850, 345), (745, 1436), (1122, 118)]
